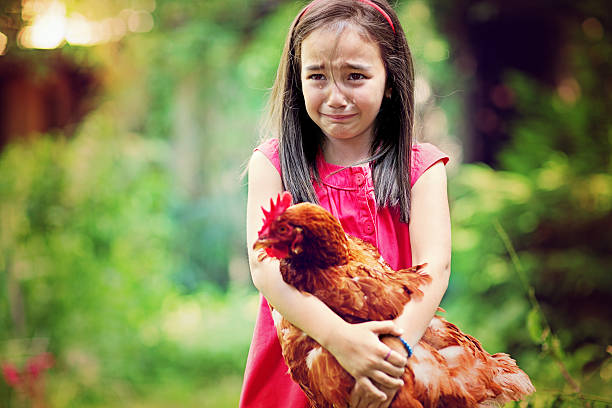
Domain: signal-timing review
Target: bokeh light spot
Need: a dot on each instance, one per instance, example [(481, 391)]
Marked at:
[(419, 11), (3, 43), (48, 25), (140, 22), (592, 28), (569, 90), (502, 96), (78, 30), (436, 50), (422, 90)]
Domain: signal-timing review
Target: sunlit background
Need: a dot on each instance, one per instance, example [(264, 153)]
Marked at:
[(48, 26), (125, 126)]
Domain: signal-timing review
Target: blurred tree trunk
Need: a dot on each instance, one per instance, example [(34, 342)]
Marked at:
[(492, 37), (15, 301), (187, 138), (10, 20)]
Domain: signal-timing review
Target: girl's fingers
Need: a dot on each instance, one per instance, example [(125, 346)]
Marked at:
[(386, 380), (393, 363), (393, 357), (385, 327), (397, 358), (393, 370), (365, 393), (376, 394), (390, 395), (355, 399)]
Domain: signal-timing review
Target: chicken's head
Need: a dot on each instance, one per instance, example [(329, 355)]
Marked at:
[(304, 233), (278, 237)]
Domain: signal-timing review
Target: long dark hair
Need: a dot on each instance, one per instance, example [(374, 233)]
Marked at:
[(300, 138)]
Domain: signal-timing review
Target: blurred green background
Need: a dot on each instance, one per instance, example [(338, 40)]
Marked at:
[(125, 126)]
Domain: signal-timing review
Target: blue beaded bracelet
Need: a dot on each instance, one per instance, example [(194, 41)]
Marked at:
[(406, 346)]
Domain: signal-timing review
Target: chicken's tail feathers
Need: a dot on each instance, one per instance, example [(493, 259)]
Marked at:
[(515, 382)]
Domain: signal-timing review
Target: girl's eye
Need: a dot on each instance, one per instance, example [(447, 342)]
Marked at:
[(317, 77), (356, 76)]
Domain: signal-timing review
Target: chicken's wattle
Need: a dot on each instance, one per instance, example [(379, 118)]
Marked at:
[(277, 252)]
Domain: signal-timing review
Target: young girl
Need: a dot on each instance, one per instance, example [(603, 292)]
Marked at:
[(340, 119)]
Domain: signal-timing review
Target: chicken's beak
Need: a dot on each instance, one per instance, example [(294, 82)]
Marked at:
[(262, 243)]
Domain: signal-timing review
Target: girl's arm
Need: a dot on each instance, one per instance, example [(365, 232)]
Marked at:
[(430, 238), (356, 346)]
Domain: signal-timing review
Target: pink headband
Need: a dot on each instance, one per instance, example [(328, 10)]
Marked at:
[(368, 2)]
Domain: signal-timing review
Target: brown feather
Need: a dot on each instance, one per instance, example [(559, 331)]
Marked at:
[(448, 369)]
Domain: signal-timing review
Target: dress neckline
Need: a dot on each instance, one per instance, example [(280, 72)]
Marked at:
[(343, 177)]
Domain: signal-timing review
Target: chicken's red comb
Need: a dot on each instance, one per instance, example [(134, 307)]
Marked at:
[(283, 201)]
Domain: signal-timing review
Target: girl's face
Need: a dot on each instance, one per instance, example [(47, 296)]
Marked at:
[(343, 82)]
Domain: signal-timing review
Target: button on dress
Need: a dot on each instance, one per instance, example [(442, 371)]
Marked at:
[(348, 193)]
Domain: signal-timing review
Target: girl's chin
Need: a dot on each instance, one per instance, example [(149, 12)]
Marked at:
[(335, 135)]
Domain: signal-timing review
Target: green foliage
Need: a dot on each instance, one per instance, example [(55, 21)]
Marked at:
[(84, 242), (88, 246), (483, 275), (553, 198)]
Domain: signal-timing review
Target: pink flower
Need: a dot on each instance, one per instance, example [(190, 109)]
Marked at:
[(11, 374), (34, 369), (39, 363)]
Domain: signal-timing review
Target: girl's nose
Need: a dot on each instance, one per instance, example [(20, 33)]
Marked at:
[(336, 97)]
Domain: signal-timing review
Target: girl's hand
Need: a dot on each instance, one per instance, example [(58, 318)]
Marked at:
[(358, 349), (358, 398), (361, 397)]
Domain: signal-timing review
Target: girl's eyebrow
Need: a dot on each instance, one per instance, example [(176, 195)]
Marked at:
[(351, 65), (358, 67), (314, 67)]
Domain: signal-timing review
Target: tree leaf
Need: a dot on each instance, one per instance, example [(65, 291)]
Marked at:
[(534, 326)]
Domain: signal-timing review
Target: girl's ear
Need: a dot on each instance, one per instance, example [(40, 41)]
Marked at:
[(388, 92)]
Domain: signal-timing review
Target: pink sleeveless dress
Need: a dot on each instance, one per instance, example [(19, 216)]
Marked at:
[(349, 196)]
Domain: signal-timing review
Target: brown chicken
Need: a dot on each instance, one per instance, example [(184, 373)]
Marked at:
[(448, 368)]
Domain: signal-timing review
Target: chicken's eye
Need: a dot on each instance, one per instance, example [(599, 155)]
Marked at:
[(283, 229)]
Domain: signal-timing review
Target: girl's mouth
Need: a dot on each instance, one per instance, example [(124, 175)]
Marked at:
[(339, 117)]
